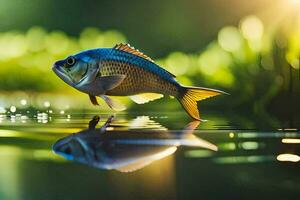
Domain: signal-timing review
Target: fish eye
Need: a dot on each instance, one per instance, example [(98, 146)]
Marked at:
[(68, 150), (70, 61)]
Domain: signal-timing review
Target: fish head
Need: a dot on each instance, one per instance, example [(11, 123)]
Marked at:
[(78, 69), (70, 148)]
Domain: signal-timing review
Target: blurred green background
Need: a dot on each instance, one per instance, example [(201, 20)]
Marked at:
[(250, 49)]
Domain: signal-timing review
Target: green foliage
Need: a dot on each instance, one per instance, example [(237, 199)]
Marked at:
[(26, 58), (253, 64)]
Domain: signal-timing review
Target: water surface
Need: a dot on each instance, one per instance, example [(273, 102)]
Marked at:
[(249, 164)]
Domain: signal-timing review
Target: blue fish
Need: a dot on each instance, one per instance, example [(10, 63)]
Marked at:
[(125, 71)]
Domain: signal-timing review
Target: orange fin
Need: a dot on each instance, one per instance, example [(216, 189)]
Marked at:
[(192, 95), (132, 50)]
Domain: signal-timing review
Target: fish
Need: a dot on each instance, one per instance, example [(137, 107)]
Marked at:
[(125, 71), (126, 150)]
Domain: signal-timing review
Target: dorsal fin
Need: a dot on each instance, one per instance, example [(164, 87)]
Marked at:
[(130, 49)]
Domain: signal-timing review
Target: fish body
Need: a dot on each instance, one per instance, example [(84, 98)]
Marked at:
[(142, 76), (125, 71)]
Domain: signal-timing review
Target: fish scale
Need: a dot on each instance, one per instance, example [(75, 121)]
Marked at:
[(137, 79), (121, 56)]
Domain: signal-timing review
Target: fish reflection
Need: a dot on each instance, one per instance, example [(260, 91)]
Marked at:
[(128, 150)]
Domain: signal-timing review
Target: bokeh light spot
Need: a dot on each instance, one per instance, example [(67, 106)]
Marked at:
[(288, 158), (230, 38), (57, 42), (13, 109), (177, 63), (252, 28), (23, 102)]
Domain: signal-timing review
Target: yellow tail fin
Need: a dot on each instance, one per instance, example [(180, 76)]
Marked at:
[(191, 95)]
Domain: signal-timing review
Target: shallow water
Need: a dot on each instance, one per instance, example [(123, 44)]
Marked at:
[(249, 164)]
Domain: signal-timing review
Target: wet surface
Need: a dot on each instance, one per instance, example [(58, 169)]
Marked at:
[(162, 160)]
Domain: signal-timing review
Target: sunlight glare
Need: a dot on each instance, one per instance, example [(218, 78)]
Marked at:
[(294, 2), (290, 141), (288, 158)]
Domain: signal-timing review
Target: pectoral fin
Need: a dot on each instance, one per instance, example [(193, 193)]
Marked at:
[(145, 97), (106, 124), (113, 104), (109, 82), (93, 100), (102, 84), (94, 122)]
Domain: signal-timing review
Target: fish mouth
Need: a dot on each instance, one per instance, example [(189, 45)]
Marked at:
[(61, 73)]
